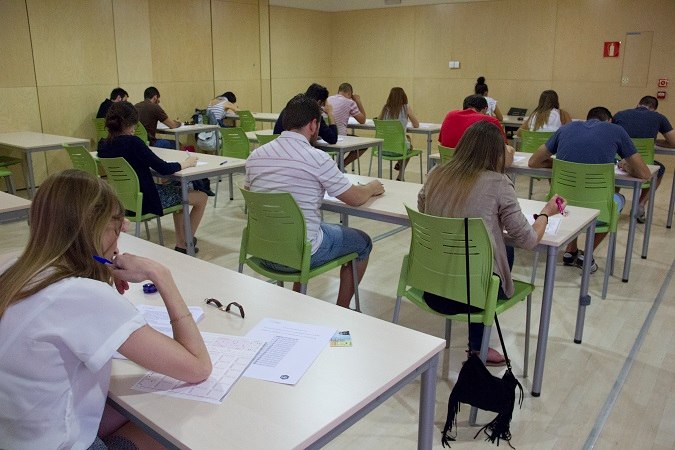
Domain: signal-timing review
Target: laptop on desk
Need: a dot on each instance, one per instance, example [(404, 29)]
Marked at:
[(517, 112)]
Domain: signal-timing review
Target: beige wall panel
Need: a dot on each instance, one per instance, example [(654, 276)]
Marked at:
[(180, 99), (247, 92), (284, 89), (265, 81), (180, 39), (132, 41), (73, 42), (16, 53), (300, 43), (373, 43), (236, 41)]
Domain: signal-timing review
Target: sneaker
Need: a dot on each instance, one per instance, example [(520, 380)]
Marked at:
[(570, 258), (184, 251), (580, 263), (641, 215)]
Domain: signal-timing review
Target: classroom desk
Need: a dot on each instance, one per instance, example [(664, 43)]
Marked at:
[(30, 142), (258, 116), (390, 208), (189, 129), (340, 387), (429, 129), (12, 207), (345, 144), (668, 151), (520, 167), (212, 168)]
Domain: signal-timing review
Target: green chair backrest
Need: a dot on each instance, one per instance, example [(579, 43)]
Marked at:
[(124, 180), (393, 134), (82, 159), (246, 120), (532, 140), (101, 131), (276, 229), (446, 153), (437, 263), (588, 186), (234, 144), (645, 147), (142, 133), (265, 138)]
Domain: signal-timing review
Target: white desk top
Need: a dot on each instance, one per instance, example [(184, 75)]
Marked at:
[(185, 129), (370, 125), (513, 120), (11, 203), (344, 142), (664, 150), (258, 414), (30, 140), (213, 162), (397, 194)]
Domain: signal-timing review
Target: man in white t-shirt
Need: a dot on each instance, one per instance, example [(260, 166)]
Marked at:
[(291, 164), (346, 104)]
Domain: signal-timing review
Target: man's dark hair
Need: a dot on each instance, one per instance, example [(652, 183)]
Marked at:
[(599, 112), (346, 88), (317, 92), (118, 92), (649, 102), (150, 92), (230, 97), (299, 111), (476, 102)]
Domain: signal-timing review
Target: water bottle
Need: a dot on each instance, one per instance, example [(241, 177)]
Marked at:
[(199, 118)]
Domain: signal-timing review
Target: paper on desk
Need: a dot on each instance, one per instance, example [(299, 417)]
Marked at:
[(618, 171), (552, 225), (199, 163), (519, 158), (230, 356), (322, 142), (291, 348)]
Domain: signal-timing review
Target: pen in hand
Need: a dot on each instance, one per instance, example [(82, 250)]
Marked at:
[(103, 260), (559, 202)]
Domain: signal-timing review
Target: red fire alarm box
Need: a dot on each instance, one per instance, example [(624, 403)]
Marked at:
[(611, 49), (661, 95), (663, 82)]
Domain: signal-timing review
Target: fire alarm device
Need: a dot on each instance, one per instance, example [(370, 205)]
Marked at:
[(661, 95), (663, 82)]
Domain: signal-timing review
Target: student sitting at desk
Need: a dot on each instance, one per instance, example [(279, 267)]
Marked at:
[(327, 131), (149, 113), (219, 106), (61, 321), (595, 141), (547, 116), (121, 123), (473, 184), (397, 108), (482, 89)]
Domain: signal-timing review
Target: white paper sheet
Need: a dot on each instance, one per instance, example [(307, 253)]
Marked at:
[(552, 226), (291, 348), (519, 158), (230, 356)]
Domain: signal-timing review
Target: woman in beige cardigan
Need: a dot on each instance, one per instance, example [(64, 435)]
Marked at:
[(473, 184)]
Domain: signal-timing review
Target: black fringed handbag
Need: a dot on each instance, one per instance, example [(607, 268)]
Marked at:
[(477, 387)]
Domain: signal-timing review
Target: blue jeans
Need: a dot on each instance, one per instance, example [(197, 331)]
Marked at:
[(337, 241), (165, 143)]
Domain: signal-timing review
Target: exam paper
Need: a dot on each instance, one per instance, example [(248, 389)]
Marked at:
[(519, 158), (230, 356), (552, 225), (290, 349)]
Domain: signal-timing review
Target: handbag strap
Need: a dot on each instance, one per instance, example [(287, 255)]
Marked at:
[(501, 340), (468, 279)]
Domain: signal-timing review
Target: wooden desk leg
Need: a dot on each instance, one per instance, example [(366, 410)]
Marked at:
[(425, 432), (584, 298), (544, 320), (635, 205), (650, 216)]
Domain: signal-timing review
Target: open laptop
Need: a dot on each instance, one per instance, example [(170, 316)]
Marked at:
[(518, 112)]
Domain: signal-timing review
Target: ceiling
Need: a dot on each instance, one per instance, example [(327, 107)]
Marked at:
[(350, 5)]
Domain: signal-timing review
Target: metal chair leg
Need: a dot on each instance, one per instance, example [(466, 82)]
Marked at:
[(397, 309), (147, 230), (448, 330), (526, 357), (355, 275), (159, 230), (303, 288)]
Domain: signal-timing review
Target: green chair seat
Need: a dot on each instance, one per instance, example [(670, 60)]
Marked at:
[(530, 142), (101, 130), (276, 232), (233, 144), (7, 175), (82, 159), (246, 120), (394, 146), (6, 161), (124, 180), (645, 147), (446, 153), (265, 138)]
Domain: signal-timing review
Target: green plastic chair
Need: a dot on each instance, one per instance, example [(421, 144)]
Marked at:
[(7, 175), (530, 142), (645, 147), (394, 145), (124, 180), (101, 130), (7, 161), (436, 263), (82, 159), (246, 120), (265, 138), (446, 153), (590, 186), (233, 144), (276, 232), (142, 133)]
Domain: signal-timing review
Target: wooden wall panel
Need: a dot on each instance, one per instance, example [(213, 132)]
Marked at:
[(73, 42), (15, 51), (132, 43)]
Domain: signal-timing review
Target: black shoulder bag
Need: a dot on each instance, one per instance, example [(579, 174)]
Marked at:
[(478, 387)]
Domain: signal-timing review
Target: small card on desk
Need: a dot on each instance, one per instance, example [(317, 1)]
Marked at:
[(341, 339)]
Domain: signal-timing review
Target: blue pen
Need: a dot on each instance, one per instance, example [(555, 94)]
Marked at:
[(102, 260)]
